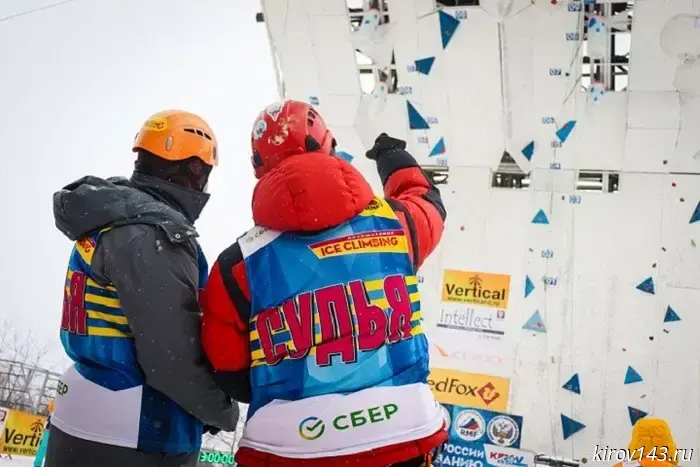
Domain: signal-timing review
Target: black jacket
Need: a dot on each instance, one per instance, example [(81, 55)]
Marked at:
[(150, 256)]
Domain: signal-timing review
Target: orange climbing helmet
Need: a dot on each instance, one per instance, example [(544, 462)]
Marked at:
[(176, 135)]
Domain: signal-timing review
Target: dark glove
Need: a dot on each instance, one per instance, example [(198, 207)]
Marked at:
[(212, 430), (384, 143)]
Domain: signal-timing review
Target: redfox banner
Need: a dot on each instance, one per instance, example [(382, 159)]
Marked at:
[(469, 389), (22, 433)]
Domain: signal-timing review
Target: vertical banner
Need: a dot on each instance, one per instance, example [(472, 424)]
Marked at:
[(21, 434), (470, 330)]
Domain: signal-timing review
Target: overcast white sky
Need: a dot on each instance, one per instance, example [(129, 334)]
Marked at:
[(76, 82)]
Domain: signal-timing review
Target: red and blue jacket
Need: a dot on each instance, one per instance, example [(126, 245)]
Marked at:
[(314, 196)]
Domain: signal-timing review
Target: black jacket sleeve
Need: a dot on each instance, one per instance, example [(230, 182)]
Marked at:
[(157, 282)]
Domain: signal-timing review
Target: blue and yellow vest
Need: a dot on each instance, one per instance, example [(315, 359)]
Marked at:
[(334, 312), (96, 335)]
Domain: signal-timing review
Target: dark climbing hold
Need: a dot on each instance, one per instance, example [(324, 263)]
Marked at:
[(696, 214), (632, 376), (671, 315), (635, 414), (573, 384), (448, 26), (424, 65), (647, 285), (570, 426)]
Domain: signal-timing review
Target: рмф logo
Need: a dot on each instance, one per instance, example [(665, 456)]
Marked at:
[(469, 425)]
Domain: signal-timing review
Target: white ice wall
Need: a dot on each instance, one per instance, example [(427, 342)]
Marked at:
[(493, 89)]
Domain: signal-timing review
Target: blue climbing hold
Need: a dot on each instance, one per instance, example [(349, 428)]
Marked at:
[(313, 100), (529, 286), (647, 285), (671, 315), (424, 65), (416, 120), (696, 214), (570, 426), (344, 155), (636, 414), (535, 323), (528, 150), (540, 218), (564, 132), (448, 26), (573, 384), (632, 376), (438, 149)]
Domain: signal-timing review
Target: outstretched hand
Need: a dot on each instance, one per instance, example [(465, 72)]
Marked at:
[(382, 144)]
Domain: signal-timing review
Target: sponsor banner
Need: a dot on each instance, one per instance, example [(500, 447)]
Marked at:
[(483, 438), (22, 433), (470, 425), (489, 357), (483, 455), (469, 389), (475, 302), (476, 288)]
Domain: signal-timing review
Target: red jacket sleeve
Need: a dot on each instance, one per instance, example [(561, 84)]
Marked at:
[(415, 199), (225, 304)]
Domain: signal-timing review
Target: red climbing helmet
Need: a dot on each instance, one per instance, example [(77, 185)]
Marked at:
[(285, 129)]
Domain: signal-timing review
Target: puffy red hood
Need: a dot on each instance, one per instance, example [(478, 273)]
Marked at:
[(310, 192)]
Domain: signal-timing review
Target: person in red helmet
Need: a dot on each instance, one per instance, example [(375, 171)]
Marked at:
[(313, 317)]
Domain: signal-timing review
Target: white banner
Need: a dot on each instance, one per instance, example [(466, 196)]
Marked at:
[(3, 418)]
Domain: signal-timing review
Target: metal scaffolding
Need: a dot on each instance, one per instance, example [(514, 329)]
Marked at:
[(26, 387)]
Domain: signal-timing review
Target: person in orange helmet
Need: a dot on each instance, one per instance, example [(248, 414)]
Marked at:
[(651, 445), (141, 391)]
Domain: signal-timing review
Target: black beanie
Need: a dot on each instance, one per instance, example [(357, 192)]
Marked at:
[(190, 173)]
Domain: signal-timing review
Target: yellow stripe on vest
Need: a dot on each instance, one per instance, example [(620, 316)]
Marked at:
[(105, 301), (106, 332), (99, 300), (108, 318)]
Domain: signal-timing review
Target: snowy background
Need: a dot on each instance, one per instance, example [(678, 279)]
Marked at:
[(77, 81)]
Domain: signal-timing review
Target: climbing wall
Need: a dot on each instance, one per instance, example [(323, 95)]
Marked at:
[(577, 310)]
